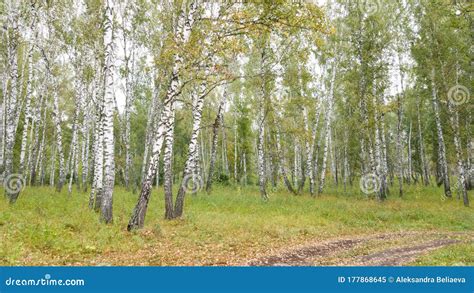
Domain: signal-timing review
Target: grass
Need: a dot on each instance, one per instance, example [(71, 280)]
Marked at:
[(456, 255), (226, 228)]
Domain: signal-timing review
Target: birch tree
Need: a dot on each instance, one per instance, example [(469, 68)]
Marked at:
[(12, 100), (215, 132), (182, 33), (108, 123)]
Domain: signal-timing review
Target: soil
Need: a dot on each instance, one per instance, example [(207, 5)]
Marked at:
[(372, 250)]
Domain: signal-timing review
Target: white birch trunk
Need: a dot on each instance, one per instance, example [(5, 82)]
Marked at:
[(128, 104), (462, 182), (399, 146), (345, 164), (281, 157), (74, 141), (59, 141), (95, 198), (12, 103), (409, 160), (261, 152), (399, 130), (38, 148), (424, 167), (168, 163), (235, 150), (193, 150), (380, 170), (52, 169), (327, 129), (309, 153), (108, 126), (85, 132), (439, 129), (28, 114)]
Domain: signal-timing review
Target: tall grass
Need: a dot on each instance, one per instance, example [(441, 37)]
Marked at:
[(231, 224)]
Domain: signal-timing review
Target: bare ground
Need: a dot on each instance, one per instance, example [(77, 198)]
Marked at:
[(389, 249), (400, 256)]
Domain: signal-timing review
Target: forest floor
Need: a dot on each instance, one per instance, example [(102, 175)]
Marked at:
[(232, 226)]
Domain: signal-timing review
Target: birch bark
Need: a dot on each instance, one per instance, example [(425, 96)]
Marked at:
[(190, 166), (108, 123), (327, 129), (12, 102), (439, 129)]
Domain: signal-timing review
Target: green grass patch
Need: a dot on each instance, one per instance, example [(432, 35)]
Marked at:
[(454, 255), (226, 227)]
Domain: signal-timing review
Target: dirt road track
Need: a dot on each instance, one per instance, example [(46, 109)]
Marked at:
[(389, 249)]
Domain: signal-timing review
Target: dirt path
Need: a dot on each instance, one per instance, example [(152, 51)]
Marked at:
[(391, 249), (403, 255)]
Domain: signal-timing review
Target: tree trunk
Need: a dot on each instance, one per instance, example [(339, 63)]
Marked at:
[(215, 133), (399, 130), (154, 113), (95, 198), (244, 159), (38, 151), (189, 172), (59, 142), (261, 153), (138, 216), (441, 146), (424, 167), (85, 145), (380, 170), (322, 177), (168, 165), (185, 24), (462, 182), (327, 129), (108, 113), (296, 163), (282, 162), (235, 151), (74, 142), (309, 154), (317, 148), (225, 161), (128, 104), (52, 167), (28, 114), (11, 104), (345, 159), (409, 161)]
